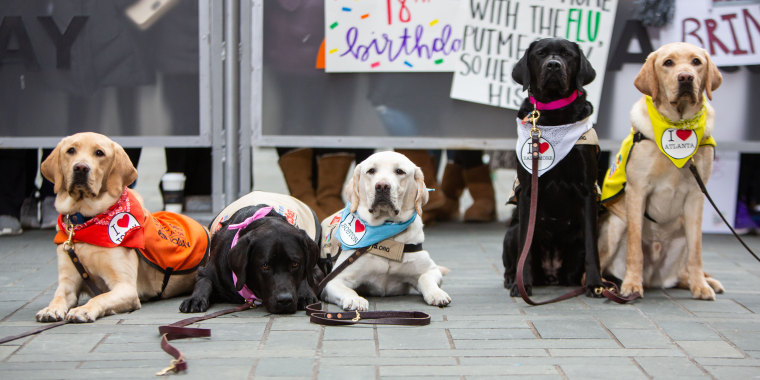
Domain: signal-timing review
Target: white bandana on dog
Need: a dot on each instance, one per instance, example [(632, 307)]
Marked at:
[(555, 143)]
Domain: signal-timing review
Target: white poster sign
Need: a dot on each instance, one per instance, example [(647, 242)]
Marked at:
[(498, 32), (391, 35), (729, 31)]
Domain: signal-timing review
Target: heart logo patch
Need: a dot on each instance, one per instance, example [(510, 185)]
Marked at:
[(358, 227), (683, 134), (543, 147), (123, 222)]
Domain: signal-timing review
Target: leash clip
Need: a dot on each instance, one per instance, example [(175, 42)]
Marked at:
[(171, 368), (70, 231), (357, 317), (534, 115)]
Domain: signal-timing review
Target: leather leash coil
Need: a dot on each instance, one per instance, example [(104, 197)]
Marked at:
[(68, 246), (177, 330), (345, 318), (535, 135)]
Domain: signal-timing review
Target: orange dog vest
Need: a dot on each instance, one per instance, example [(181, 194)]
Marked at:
[(173, 243)]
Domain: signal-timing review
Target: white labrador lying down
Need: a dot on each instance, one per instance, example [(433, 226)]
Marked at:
[(386, 188)]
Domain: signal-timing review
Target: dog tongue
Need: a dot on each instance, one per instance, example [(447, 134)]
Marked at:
[(358, 226)]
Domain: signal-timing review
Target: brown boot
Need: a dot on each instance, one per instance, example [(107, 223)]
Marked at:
[(483, 209), (296, 168), (426, 162), (331, 176), (452, 186)]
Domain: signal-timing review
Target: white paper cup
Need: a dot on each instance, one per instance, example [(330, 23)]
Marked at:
[(173, 190)]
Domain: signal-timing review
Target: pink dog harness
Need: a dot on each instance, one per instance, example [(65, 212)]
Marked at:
[(246, 292)]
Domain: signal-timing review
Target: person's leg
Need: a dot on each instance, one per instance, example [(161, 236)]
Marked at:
[(17, 185), (477, 177)]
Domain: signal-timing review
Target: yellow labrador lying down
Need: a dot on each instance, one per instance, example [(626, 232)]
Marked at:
[(652, 235), (129, 254), (386, 195)]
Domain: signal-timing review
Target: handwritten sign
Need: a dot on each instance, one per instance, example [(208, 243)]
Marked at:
[(498, 32), (729, 32), (391, 35)]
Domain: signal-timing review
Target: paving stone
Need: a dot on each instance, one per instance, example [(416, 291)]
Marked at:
[(348, 348), (638, 338), (710, 349), (725, 372), (488, 334), (285, 367), (683, 330), (570, 329), (411, 338), (483, 370), (346, 371), (535, 343), (283, 340), (670, 368)]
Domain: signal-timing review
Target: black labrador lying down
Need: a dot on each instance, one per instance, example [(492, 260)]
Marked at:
[(554, 72), (263, 254)]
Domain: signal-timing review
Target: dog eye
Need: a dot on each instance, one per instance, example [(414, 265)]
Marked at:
[(668, 62), (71, 151), (371, 171), (400, 172), (265, 267), (696, 62), (295, 265), (99, 153)]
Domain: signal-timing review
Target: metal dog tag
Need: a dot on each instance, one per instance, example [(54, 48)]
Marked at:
[(390, 249)]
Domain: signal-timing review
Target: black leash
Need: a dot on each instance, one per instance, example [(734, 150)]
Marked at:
[(702, 187)]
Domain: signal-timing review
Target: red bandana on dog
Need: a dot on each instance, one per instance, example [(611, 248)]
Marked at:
[(168, 240), (119, 226)]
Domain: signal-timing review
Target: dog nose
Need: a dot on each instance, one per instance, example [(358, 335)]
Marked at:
[(553, 65), (284, 299), (685, 78), (382, 187), (81, 168)]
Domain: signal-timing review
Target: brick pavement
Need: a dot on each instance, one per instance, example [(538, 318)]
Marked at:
[(483, 334)]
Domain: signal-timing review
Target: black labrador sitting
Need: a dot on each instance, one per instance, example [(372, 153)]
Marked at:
[(554, 72), (270, 257)]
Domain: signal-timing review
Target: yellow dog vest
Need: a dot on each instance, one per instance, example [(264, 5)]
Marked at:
[(678, 141)]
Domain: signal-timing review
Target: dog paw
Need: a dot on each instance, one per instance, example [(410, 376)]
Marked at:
[(355, 303), (628, 288), (437, 297), (702, 291), (306, 300), (194, 305), (515, 292), (51, 314), (81, 315), (715, 284)]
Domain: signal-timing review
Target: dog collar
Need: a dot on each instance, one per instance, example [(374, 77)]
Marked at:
[(260, 213), (354, 233), (555, 104), (246, 292)]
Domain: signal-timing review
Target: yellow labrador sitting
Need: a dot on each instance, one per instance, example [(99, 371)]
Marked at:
[(90, 173), (386, 195), (652, 235)]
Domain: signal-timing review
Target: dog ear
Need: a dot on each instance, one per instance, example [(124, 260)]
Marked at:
[(311, 250), (51, 169), (713, 77), (521, 71), (352, 188), (122, 174), (586, 72), (646, 80), (422, 194)]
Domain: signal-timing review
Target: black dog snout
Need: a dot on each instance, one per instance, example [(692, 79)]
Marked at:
[(553, 64), (284, 299)]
